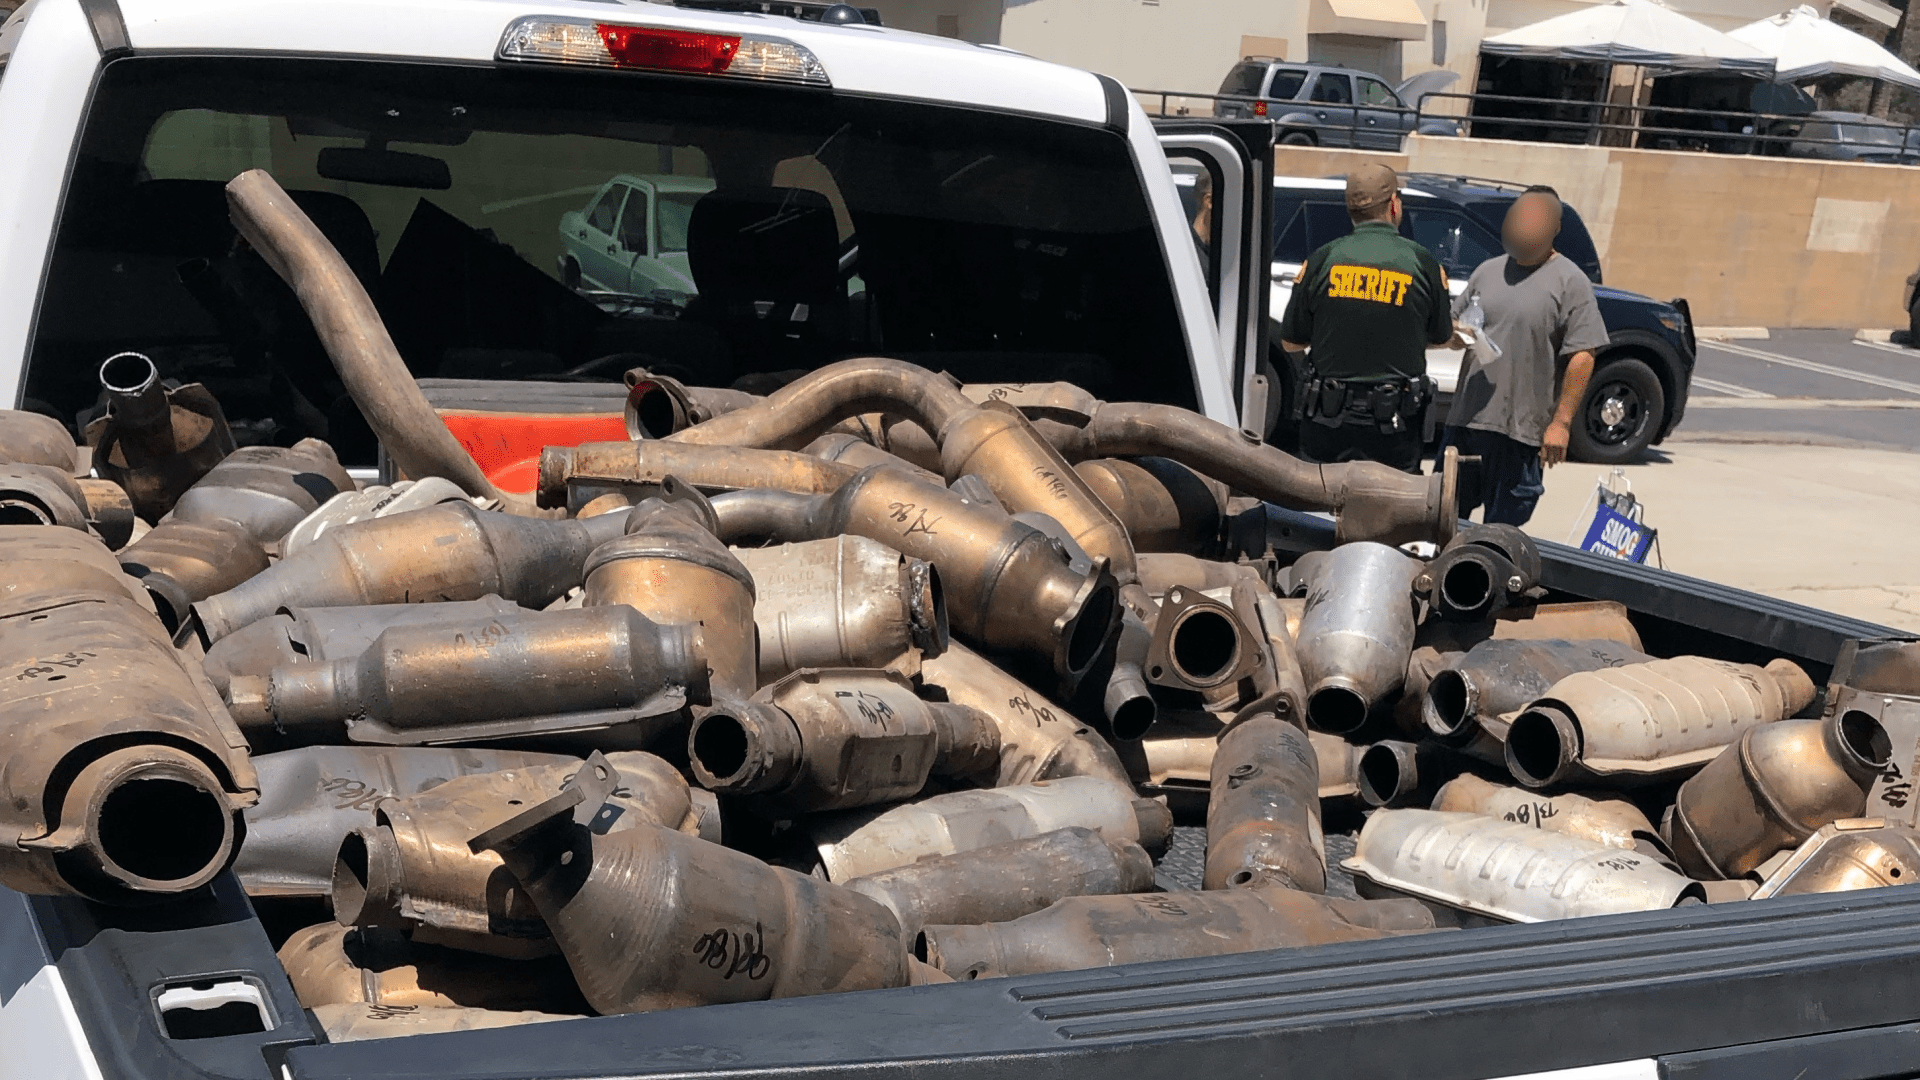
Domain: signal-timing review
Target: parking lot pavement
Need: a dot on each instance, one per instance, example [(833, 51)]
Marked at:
[(1827, 526), (1793, 474), (1816, 387)]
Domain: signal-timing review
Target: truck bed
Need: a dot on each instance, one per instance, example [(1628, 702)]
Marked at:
[(1800, 986)]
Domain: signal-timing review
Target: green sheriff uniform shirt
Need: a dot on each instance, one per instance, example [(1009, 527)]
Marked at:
[(1368, 305)]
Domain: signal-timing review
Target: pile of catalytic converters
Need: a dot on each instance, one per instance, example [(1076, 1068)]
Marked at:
[(875, 681)]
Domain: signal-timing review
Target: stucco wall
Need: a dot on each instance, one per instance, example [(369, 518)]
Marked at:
[(1748, 241), (1170, 45)]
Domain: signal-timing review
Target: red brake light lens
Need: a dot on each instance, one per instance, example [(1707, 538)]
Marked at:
[(553, 39), (669, 50)]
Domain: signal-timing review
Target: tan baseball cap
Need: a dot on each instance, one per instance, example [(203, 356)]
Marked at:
[(1370, 185)]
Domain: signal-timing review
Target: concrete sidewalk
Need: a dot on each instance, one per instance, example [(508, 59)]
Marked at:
[(1829, 527)]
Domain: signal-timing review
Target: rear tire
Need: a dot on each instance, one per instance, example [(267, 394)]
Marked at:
[(1622, 411), (569, 272), (1297, 138), (1913, 321)]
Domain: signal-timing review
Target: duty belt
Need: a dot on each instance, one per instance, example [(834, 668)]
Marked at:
[(1392, 405)]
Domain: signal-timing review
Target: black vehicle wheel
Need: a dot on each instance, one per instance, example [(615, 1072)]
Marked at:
[(1622, 411), (1913, 321), (569, 272), (1297, 138)]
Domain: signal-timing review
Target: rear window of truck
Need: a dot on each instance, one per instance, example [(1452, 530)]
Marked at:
[(793, 228)]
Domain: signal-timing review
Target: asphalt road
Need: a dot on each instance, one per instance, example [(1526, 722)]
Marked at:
[(1819, 387)]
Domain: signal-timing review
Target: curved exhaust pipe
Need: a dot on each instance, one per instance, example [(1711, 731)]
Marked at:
[(355, 338), (1633, 723), (1008, 586)]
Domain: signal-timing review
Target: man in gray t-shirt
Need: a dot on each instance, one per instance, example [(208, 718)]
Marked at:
[(1515, 409)]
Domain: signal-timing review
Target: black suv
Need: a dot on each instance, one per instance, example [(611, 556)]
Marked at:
[(1640, 383)]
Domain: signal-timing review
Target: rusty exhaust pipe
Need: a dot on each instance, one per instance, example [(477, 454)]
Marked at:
[(859, 843), (1357, 632), (1466, 702), (330, 964), (1006, 881), (1853, 853), (1164, 506), (41, 495), (411, 869), (1278, 685), (524, 675), (1009, 587), (358, 1022), (671, 569), (266, 490), (994, 441), (1773, 790), (47, 495), (1263, 818), (1027, 475), (1588, 620), (653, 919), (828, 740), (1481, 571), (124, 775), (354, 336), (1630, 724), (1396, 773), (660, 405), (29, 438), (1506, 871), (155, 442), (452, 551), (1128, 701), (844, 602), (808, 407), (571, 476), (216, 536), (1038, 739), (1370, 501), (857, 452), (1199, 644), (298, 636), (314, 797), (1616, 823), (184, 562), (1104, 931), (375, 501)]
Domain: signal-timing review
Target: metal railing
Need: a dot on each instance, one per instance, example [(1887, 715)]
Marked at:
[(1668, 127), (1538, 119), (1367, 127)]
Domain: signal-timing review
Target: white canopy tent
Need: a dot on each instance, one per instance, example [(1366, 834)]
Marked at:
[(1638, 32), (1805, 46)]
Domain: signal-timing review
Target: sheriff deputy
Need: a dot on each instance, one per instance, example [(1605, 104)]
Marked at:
[(1364, 310)]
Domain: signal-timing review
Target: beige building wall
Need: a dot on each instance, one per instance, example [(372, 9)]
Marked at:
[(977, 21), (1189, 45), (1454, 30), (1168, 45), (1748, 241)]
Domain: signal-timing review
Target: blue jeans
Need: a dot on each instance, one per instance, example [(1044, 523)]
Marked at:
[(1508, 481)]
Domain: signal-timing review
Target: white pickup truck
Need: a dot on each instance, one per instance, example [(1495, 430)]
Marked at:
[(959, 206)]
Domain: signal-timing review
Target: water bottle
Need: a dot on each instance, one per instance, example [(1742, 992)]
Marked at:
[(1475, 319)]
